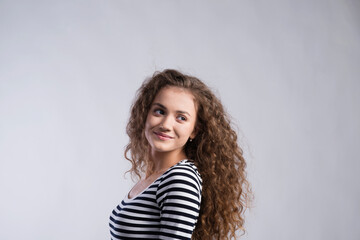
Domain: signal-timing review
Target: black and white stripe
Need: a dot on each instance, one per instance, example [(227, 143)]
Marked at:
[(167, 209)]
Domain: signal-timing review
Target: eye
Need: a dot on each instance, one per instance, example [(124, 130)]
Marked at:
[(159, 112), (181, 118)]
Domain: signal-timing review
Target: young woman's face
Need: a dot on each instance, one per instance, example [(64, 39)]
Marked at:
[(171, 120)]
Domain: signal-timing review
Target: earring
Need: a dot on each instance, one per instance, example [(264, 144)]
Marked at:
[(190, 139)]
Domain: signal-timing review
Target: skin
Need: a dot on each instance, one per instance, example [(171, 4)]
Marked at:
[(169, 125)]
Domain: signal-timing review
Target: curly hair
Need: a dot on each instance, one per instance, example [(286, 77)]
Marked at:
[(214, 151)]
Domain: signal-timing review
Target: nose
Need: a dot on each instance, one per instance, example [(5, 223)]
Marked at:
[(166, 123)]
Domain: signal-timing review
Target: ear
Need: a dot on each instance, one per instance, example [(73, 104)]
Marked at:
[(193, 134)]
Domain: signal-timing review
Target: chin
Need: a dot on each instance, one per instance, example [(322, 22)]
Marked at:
[(161, 149)]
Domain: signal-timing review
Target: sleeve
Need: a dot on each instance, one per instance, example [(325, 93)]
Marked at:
[(179, 197)]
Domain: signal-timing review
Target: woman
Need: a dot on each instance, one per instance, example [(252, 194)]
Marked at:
[(192, 173)]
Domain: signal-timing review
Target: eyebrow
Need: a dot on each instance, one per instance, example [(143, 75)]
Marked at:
[(178, 111)]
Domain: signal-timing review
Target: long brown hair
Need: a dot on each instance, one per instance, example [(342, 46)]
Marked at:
[(214, 151)]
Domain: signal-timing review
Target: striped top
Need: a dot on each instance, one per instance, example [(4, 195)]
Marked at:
[(167, 209)]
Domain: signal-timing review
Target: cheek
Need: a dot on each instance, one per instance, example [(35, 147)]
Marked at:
[(148, 124), (187, 131), (150, 121), (147, 131)]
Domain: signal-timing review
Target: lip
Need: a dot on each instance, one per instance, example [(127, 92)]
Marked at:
[(162, 136)]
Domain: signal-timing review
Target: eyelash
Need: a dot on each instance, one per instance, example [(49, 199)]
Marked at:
[(162, 112), (159, 111), (183, 118)]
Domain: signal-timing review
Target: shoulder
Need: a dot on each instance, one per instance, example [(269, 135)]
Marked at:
[(183, 179), (185, 171)]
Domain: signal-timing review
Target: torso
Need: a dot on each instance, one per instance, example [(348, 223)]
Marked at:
[(167, 208), (143, 184)]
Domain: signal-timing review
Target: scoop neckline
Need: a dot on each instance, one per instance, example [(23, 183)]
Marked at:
[(130, 199)]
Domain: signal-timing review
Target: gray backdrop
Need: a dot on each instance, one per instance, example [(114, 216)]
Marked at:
[(287, 72)]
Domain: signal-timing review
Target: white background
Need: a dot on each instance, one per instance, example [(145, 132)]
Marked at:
[(287, 72)]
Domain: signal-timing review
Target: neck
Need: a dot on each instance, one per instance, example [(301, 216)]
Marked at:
[(164, 160)]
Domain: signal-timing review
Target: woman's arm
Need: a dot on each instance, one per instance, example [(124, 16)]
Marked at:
[(178, 196)]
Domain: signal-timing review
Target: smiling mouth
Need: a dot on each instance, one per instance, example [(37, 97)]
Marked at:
[(162, 136)]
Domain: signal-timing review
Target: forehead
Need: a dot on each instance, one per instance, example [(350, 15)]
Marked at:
[(175, 97)]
